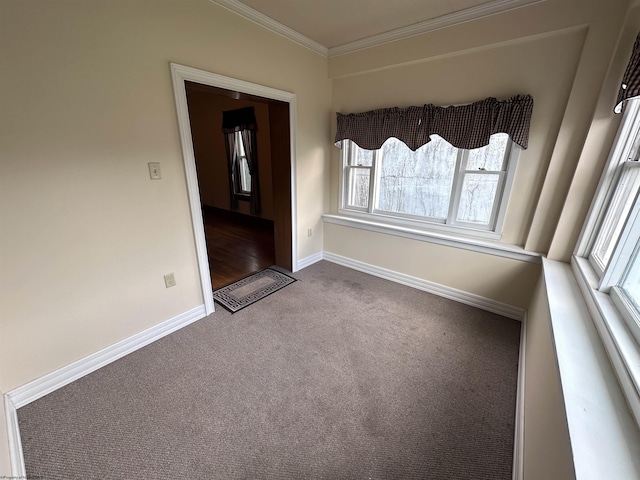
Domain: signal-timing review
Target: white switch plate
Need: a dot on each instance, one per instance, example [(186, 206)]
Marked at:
[(170, 280), (154, 171)]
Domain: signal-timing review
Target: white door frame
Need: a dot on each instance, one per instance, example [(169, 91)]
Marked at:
[(180, 74)]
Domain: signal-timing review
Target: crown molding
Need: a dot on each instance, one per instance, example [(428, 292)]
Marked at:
[(270, 24), (467, 15)]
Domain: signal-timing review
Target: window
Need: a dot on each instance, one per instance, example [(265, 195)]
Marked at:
[(239, 128), (242, 177), (614, 249), (607, 260), (437, 186)]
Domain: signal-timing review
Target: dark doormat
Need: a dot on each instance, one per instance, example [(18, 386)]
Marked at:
[(249, 290)]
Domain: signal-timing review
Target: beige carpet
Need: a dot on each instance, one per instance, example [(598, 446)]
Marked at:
[(338, 376)]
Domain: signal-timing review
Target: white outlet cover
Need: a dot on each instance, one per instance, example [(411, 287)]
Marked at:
[(170, 280)]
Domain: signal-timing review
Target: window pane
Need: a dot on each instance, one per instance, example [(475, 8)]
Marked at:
[(477, 198), (358, 187), (617, 214), (417, 183), (245, 176), (490, 157), (360, 156), (240, 145), (631, 282), (630, 285)]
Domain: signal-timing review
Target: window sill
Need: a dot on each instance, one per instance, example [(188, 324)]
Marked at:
[(619, 342), (605, 440), (447, 239), (421, 225)]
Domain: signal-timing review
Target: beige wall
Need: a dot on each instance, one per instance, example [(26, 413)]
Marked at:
[(547, 450), (598, 143), (500, 71), (502, 279), (205, 115), (558, 51), (87, 101)]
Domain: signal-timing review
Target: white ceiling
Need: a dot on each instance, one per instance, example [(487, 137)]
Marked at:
[(338, 26)]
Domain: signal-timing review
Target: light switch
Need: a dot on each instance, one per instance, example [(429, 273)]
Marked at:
[(154, 171)]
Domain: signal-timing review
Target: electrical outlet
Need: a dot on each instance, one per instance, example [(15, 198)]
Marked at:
[(170, 280), (309, 232), (154, 171)]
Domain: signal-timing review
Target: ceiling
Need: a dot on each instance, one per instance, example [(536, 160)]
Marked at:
[(334, 27)]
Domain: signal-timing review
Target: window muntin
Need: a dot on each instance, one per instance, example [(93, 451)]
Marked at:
[(625, 191), (612, 247), (359, 180), (437, 184)]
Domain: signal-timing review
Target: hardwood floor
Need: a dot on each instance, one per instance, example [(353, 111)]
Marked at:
[(237, 245)]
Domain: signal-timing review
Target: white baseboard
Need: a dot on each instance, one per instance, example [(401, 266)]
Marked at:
[(518, 437), (40, 387), (310, 260), (15, 445), (472, 299), (483, 303)]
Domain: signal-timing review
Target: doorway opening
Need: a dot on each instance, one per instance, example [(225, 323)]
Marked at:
[(233, 239), (237, 245)]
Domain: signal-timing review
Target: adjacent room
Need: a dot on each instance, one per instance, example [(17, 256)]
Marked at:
[(445, 182), (240, 211)]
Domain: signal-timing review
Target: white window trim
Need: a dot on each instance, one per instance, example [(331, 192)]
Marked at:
[(423, 224), (622, 252), (505, 250), (620, 345), (604, 438), (607, 180), (597, 285)]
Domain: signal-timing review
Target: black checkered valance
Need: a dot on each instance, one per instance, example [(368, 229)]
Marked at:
[(464, 126), (630, 86)]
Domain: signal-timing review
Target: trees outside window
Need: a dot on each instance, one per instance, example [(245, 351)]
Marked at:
[(436, 184)]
